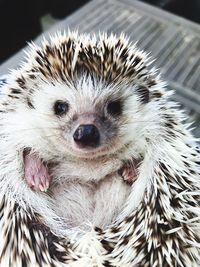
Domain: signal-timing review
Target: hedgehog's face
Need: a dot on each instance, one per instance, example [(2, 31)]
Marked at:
[(87, 119), (61, 111)]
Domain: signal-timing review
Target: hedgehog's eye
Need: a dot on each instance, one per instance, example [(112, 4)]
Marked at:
[(114, 108), (61, 108)]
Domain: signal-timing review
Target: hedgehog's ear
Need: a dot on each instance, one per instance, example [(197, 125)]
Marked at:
[(143, 93)]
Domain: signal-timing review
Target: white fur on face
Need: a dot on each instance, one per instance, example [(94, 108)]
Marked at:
[(52, 136)]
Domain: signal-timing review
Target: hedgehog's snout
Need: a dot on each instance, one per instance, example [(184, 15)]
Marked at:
[(87, 135)]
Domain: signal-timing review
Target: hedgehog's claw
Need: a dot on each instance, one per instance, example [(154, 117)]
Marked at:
[(129, 172), (36, 173)]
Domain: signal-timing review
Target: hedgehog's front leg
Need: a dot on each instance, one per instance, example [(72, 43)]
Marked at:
[(36, 173), (129, 171)]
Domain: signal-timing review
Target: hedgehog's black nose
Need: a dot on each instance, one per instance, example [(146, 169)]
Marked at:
[(87, 135)]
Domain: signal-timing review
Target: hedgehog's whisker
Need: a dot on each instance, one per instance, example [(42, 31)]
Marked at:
[(146, 121), (30, 129)]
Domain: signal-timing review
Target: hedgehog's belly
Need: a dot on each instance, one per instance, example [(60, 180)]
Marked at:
[(81, 205), (73, 202)]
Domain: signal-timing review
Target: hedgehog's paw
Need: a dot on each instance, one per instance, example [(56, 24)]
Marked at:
[(128, 172), (36, 173)]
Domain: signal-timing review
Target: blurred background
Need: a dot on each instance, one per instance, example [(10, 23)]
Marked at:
[(24, 20)]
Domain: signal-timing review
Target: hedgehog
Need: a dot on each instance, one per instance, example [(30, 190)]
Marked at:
[(98, 165)]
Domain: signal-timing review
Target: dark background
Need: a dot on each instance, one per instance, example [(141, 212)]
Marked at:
[(189, 9), (20, 19)]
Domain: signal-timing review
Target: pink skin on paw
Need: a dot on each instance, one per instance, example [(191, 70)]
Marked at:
[(36, 173), (128, 172)]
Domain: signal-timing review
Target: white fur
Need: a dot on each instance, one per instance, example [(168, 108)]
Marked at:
[(40, 130), (129, 216)]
